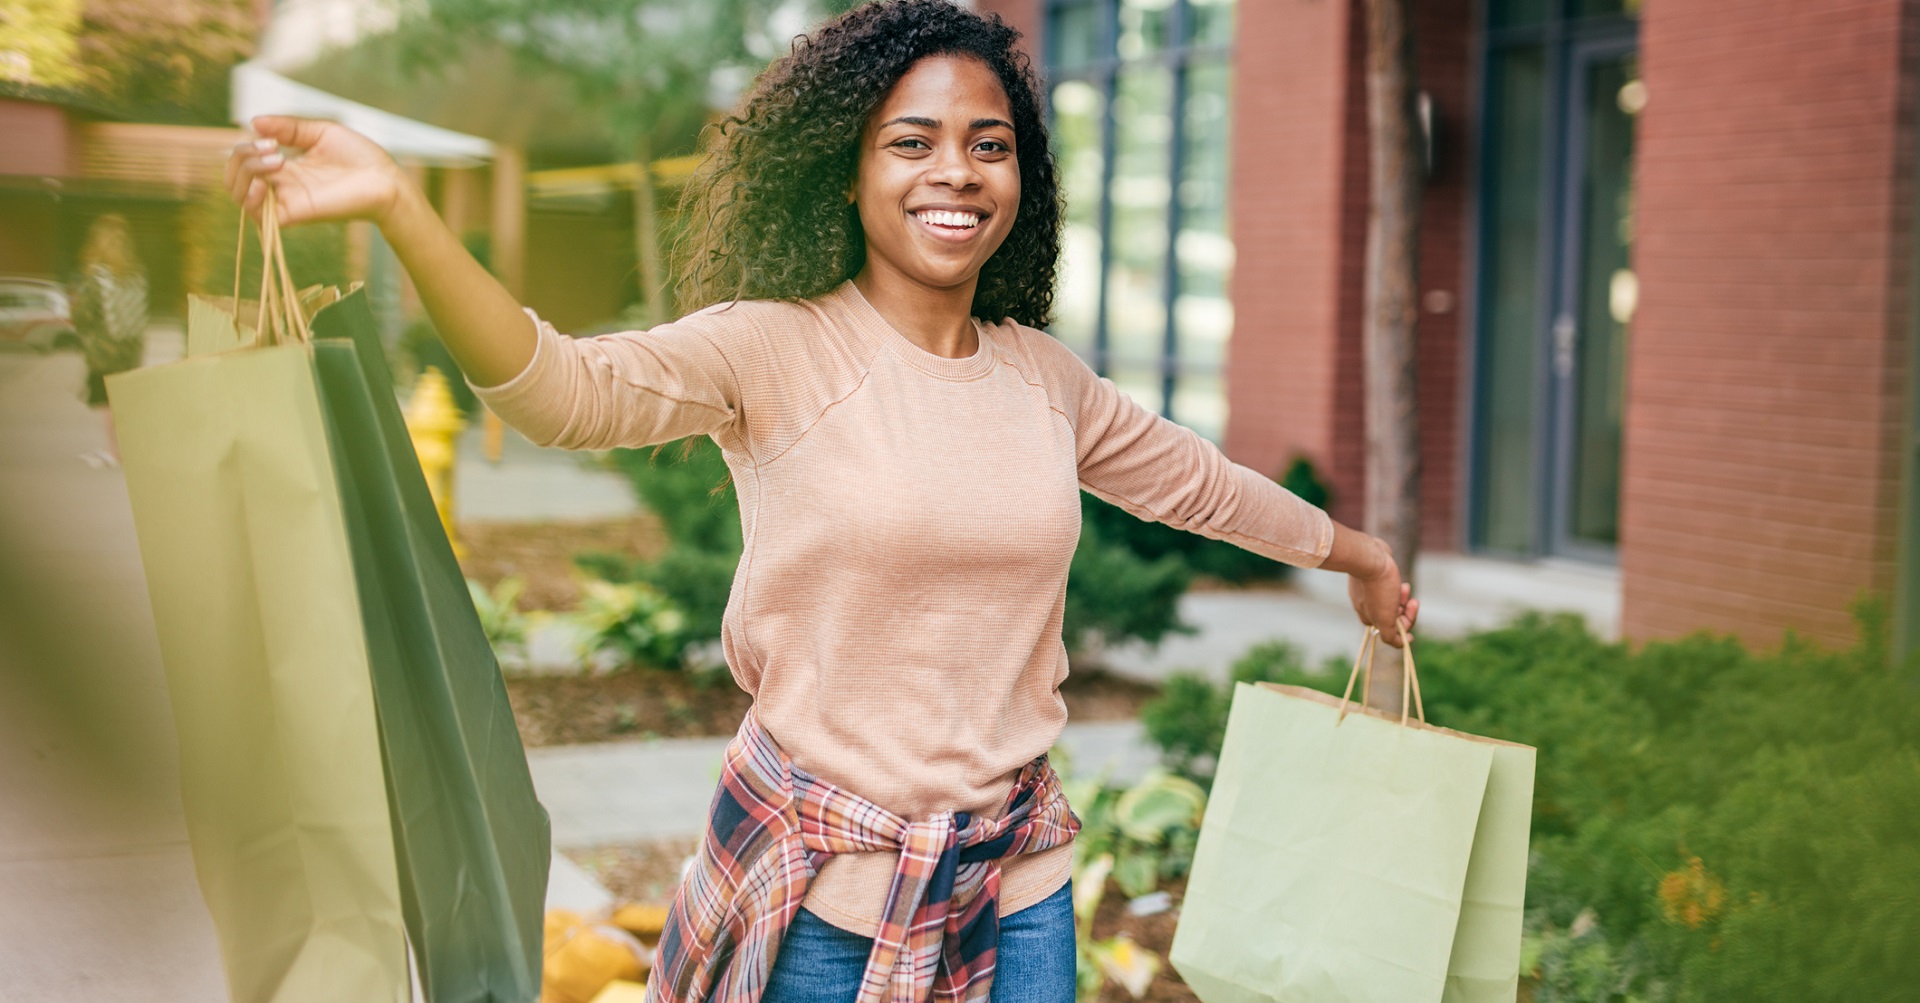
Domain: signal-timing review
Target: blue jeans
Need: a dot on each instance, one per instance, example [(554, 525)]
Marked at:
[(1034, 963)]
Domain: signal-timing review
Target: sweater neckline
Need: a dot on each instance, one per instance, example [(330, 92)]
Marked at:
[(868, 318)]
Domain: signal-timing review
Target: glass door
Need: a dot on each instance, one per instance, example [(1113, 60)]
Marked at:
[(1558, 291), (1594, 301)]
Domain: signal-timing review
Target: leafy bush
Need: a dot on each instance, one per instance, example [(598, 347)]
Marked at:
[(1114, 595), (1139, 837), (1188, 720), (687, 485), (1709, 823), (634, 621), (500, 616)]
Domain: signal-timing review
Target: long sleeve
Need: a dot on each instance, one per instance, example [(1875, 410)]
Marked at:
[(1162, 471), (634, 388)]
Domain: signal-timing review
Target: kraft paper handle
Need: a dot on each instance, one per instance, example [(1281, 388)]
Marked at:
[(1409, 679), (279, 298)]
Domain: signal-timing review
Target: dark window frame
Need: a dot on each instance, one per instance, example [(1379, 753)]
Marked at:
[(1102, 73)]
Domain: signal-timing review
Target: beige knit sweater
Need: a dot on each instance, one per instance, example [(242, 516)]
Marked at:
[(909, 520)]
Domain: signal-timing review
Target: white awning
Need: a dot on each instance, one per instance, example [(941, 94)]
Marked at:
[(260, 91)]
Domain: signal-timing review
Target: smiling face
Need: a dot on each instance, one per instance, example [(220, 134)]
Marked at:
[(939, 178)]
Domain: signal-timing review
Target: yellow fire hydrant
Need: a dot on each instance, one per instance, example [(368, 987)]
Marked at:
[(434, 423)]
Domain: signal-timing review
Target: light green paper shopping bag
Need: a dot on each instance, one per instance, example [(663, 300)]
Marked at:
[(252, 584), (1356, 857)]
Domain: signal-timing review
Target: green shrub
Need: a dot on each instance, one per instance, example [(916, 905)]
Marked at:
[(1188, 720), (1709, 823), (1114, 595), (634, 621), (686, 484)]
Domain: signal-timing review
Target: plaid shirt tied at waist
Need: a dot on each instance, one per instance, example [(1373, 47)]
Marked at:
[(771, 827)]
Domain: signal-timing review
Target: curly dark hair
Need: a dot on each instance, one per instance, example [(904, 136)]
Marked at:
[(764, 216)]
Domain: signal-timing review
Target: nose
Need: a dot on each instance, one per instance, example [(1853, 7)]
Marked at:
[(954, 167)]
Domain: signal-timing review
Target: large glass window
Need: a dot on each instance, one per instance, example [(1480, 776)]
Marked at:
[(1141, 131)]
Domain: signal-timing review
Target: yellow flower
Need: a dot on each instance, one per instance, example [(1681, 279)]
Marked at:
[(1692, 896)]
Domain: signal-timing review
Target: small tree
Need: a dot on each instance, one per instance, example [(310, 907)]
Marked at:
[(654, 68), (1392, 299)]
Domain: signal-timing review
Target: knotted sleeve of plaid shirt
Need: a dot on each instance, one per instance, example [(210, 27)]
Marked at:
[(771, 827)]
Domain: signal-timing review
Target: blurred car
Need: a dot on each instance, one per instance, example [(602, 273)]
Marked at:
[(36, 314)]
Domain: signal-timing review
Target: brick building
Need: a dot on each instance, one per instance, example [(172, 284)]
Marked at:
[(1667, 274)]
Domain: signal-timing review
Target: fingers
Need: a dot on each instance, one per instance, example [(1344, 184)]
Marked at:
[(290, 131), (249, 169)]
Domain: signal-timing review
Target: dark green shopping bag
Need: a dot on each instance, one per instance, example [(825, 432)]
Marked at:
[(471, 841)]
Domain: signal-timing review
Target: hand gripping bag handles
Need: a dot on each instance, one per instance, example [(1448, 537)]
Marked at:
[(1349, 855), (351, 774)]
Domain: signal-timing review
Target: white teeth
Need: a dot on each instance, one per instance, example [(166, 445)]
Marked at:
[(943, 217)]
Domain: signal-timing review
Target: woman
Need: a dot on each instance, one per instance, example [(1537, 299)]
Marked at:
[(881, 224), (109, 318)]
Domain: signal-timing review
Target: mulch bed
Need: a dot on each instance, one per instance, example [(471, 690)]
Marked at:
[(541, 553), (645, 702), (1155, 933)]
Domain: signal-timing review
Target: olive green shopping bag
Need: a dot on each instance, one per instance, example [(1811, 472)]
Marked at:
[(1351, 855), (472, 840)]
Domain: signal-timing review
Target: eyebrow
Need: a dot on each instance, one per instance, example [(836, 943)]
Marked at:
[(928, 123)]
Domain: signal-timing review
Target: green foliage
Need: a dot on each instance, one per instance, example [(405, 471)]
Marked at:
[(687, 485), (1709, 823), (499, 611), (165, 62), (634, 621), (698, 581), (316, 253), (1114, 595), (41, 37), (1303, 480), (1188, 720), (1138, 836)]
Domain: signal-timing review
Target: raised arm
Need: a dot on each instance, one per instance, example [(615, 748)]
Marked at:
[(323, 171)]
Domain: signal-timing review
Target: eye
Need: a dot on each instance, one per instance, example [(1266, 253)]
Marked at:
[(911, 143), (993, 146)]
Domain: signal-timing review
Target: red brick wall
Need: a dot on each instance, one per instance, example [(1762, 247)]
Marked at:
[(1027, 16), (1295, 383), (1767, 365), (1290, 228)]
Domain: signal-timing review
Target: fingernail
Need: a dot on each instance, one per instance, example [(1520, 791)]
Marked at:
[(271, 160), (264, 144)]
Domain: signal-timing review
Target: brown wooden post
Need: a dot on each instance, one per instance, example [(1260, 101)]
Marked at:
[(1392, 301), (509, 243), (646, 236), (509, 253)]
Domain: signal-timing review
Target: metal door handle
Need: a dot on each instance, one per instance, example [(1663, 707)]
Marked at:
[(1565, 333)]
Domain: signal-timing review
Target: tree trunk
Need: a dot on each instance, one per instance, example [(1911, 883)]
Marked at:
[(1392, 301), (646, 236)]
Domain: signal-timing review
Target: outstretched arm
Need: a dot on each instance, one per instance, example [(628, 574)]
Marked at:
[(324, 171)]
